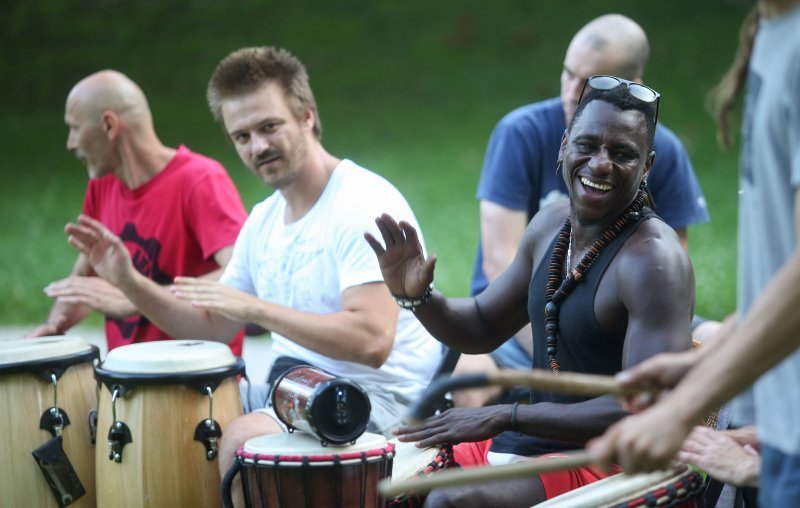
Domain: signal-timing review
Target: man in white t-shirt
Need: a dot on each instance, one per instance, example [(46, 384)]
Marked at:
[(300, 267)]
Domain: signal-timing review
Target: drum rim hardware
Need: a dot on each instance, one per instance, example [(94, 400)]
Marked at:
[(198, 380), (45, 368)]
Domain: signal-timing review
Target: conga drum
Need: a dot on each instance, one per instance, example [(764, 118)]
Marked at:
[(160, 417), (295, 470), (48, 400), (679, 486), (412, 462)]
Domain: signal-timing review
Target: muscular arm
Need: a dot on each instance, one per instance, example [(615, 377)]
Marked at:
[(481, 324), (362, 332)]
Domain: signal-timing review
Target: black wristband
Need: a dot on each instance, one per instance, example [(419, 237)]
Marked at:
[(412, 303), (514, 417)]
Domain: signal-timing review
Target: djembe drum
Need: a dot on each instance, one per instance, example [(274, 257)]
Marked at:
[(679, 486), (295, 470), (159, 422), (48, 400)]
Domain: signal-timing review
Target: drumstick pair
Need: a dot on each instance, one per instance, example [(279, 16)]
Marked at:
[(567, 383)]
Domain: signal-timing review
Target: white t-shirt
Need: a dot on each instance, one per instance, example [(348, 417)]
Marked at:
[(307, 264)]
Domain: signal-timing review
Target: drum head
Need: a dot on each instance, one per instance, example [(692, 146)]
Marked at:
[(622, 488), (169, 357), (299, 447), (20, 351), (410, 460)]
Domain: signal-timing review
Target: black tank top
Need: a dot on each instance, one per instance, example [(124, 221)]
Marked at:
[(583, 345)]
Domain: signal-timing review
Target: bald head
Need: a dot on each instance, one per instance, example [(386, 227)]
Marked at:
[(113, 91), (618, 41), (611, 44)]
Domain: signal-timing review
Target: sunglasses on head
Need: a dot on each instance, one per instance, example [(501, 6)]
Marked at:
[(637, 90)]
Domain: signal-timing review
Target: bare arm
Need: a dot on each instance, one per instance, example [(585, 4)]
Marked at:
[(475, 325), (362, 332), (110, 259)]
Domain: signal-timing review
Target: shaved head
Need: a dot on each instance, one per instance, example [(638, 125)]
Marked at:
[(611, 44), (619, 40), (113, 91)]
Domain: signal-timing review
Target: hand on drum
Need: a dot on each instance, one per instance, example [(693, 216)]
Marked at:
[(94, 292), (402, 261), (217, 297), (104, 250), (458, 425)]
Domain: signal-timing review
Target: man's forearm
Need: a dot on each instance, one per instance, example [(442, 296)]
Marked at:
[(177, 318)]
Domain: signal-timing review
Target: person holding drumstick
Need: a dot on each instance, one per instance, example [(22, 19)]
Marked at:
[(300, 267), (517, 179), (177, 211), (762, 346), (585, 277)]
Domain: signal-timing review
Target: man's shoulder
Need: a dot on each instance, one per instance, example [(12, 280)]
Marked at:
[(653, 239), (197, 162), (364, 182), (538, 114)]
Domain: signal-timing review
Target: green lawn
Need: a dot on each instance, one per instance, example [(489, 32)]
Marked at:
[(410, 90)]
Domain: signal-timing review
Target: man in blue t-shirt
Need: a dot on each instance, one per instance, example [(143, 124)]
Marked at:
[(519, 174)]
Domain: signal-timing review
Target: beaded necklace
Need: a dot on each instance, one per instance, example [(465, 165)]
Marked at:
[(558, 289)]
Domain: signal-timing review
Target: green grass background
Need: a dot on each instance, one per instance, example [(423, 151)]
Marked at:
[(409, 89)]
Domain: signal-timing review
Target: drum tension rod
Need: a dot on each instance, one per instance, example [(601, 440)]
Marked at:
[(54, 419), (208, 431), (119, 434)]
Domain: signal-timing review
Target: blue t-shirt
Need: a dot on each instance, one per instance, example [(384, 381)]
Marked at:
[(519, 171)]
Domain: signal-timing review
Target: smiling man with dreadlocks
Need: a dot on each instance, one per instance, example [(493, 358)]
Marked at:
[(603, 281)]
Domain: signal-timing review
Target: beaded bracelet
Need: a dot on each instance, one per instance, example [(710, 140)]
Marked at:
[(412, 303), (514, 417)]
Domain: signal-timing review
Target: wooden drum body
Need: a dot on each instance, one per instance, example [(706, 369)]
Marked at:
[(294, 470), (155, 443), (27, 368), (677, 487)]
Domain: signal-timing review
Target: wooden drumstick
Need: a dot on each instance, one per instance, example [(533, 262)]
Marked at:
[(567, 383), (456, 477)]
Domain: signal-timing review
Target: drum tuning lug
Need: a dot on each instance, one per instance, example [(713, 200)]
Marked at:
[(208, 432), (93, 425), (118, 436), (54, 420)]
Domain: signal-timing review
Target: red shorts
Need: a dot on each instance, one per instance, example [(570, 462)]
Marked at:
[(555, 483)]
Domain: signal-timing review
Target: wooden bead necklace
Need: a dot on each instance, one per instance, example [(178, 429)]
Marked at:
[(557, 289)]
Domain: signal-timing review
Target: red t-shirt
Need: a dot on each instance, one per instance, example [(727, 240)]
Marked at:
[(172, 225)]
